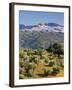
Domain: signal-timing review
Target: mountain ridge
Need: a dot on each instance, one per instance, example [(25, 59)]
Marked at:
[(39, 39), (48, 27)]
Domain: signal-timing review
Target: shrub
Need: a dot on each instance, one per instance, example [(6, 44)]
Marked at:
[(22, 71), (30, 66), (47, 60), (32, 58), (59, 52), (61, 64), (47, 72), (56, 48), (40, 51), (21, 54), (51, 49), (21, 76), (51, 57), (55, 71), (51, 63), (26, 58), (30, 73), (21, 63)]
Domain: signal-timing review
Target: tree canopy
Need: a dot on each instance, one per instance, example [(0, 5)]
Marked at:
[(56, 48)]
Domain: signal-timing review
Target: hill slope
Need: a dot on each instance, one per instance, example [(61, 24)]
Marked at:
[(34, 39)]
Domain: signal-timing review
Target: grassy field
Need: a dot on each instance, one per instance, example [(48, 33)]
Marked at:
[(39, 63)]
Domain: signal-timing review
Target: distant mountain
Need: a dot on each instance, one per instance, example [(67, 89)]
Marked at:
[(54, 24), (44, 27), (22, 26), (40, 35), (35, 39)]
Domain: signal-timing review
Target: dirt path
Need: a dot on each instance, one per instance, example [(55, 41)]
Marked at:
[(39, 70)]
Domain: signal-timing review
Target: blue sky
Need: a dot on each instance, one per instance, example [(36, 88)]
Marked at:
[(35, 17)]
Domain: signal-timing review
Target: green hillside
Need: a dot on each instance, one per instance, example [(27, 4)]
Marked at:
[(36, 39)]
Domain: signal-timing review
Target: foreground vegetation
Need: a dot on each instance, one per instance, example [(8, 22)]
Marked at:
[(39, 63)]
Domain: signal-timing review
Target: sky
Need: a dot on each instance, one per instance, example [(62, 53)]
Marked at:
[(35, 17)]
